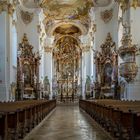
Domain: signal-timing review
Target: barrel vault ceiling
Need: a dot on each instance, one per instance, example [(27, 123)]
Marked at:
[(66, 17)]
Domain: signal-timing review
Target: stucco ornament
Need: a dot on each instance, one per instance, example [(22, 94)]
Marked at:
[(6, 6), (107, 15), (102, 3), (26, 16)]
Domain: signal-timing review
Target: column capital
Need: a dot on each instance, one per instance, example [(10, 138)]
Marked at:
[(48, 49), (86, 49), (6, 6)]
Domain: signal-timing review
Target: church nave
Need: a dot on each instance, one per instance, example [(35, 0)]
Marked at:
[(58, 54), (68, 122)]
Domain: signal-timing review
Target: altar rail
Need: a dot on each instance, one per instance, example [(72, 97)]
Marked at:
[(18, 118), (120, 118)]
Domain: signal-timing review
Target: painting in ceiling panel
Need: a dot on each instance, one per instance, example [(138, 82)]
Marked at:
[(31, 3), (64, 3), (102, 3), (67, 29), (66, 9)]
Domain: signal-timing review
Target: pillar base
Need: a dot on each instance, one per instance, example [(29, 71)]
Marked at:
[(3, 93)]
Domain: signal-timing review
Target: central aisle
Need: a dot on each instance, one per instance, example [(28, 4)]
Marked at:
[(68, 123)]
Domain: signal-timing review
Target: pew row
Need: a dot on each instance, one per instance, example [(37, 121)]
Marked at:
[(120, 118), (18, 118)]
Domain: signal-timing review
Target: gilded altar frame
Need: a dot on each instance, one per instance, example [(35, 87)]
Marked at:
[(27, 71), (106, 62)]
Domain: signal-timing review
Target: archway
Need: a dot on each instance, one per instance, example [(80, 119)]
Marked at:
[(67, 64)]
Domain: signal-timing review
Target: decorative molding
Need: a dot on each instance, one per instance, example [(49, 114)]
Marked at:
[(86, 49), (48, 49), (94, 28), (25, 48), (102, 3), (39, 29), (126, 4), (107, 15), (5, 6), (106, 63), (27, 70), (26, 16)]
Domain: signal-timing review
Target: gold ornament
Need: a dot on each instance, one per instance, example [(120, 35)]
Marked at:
[(5, 6), (125, 4), (26, 16), (107, 15), (128, 69)]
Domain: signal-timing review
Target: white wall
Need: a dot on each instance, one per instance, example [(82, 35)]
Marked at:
[(35, 37), (3, 58), (30, 29), (7, 71), (103, 28), (13, 51)]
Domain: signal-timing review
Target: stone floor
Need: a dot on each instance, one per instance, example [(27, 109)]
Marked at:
[(68, 123)]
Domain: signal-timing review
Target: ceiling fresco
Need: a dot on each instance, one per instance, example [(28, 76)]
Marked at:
[(102, 3), (67, 29), (66, 9), (36, 3), (30, 3), (73, 13)]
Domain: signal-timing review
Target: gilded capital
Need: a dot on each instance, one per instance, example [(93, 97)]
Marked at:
[(5, 6), (48, 49), (86, 49)]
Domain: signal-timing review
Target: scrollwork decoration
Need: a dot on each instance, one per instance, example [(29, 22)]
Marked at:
[(5, 6), (26, 16), (107, 15)]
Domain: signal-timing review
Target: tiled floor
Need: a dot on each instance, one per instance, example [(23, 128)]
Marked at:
[(68, 123)]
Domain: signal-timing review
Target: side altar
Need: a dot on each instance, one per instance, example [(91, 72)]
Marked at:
[(28, 86)]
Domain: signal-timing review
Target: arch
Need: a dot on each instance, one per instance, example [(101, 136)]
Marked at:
[(75, 38), (50, 29)]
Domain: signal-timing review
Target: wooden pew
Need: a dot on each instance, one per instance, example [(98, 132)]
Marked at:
[(2, 125), (120, 118), (18, 118)]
